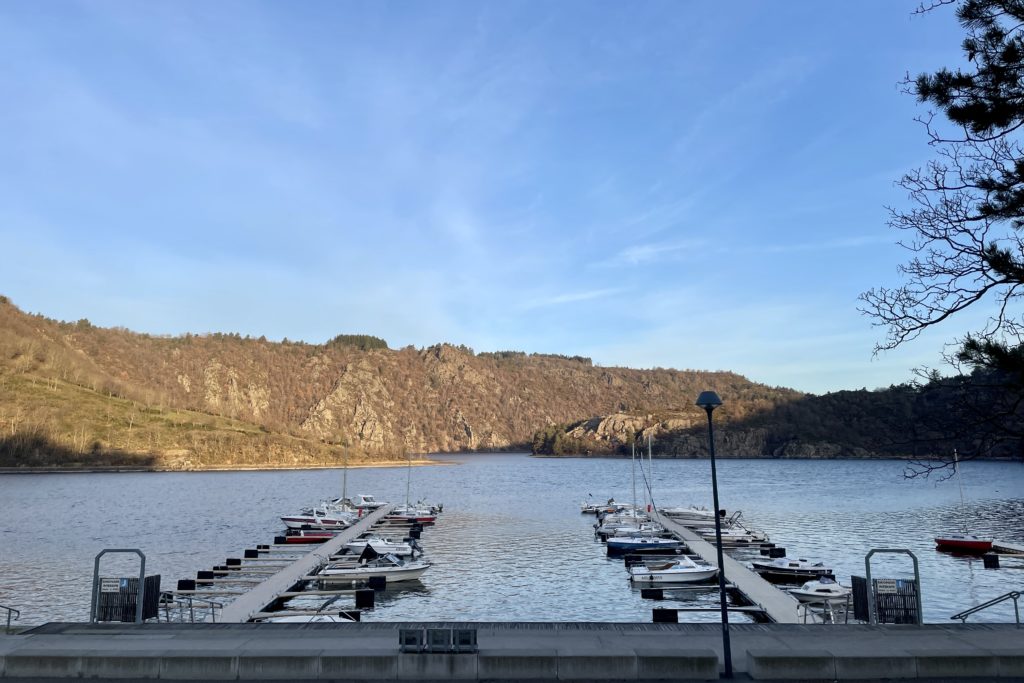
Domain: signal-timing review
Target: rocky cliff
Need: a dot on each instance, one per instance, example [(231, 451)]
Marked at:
[(373, 400)]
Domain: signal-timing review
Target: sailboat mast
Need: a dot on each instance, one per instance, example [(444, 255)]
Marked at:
[(960, 483), (632, 457), (650, 467), (408, 479), (344, 479)]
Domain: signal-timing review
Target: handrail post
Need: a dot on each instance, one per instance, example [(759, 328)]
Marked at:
[(11, 612)]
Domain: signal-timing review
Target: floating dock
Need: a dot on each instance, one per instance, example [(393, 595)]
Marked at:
[(779, 606), (1008, 547), (286, 581)]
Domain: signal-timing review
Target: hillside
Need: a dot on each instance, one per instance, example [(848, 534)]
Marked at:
[(923, 422), (74, 392)]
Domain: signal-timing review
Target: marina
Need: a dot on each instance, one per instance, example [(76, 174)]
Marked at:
[(511, 514)]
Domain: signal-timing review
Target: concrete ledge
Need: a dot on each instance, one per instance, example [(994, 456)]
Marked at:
[(517, 664), (279, 664), (693, 665), (593, 665), (955, 664), (861, 667), (1010, 662), (795, 664), (42, 664), (436, 666), (135, 665), (200, 665), (378, 665)]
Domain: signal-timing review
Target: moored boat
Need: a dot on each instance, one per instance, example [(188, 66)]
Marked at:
[(820, 590), (412, 513), (679, 570), (788, 570), (382, 546), (391, 567), (307, 536), (735, 536), (963, 543), (319, 518), (620, 545)]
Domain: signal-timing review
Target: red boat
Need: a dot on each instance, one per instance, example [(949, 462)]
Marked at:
[(963, 543), (305, 536)]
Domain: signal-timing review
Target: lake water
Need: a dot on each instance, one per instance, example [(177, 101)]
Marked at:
[(511, 544)]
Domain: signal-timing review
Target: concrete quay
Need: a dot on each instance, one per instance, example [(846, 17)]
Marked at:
[(512, 651)]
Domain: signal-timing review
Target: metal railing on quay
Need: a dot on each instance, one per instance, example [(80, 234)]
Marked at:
[(182, 603), (10, 612), (1012, 595)]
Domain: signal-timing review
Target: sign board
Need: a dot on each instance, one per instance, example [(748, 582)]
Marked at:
[(110, 585), (885, 586)]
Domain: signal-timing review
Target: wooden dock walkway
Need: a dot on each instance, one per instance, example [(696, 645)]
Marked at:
[(258, 599), (778, 605)]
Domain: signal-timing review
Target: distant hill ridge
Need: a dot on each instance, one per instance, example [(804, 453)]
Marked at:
[(88, 393)]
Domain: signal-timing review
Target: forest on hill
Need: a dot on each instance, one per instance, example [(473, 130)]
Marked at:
[(924, 421), (74, 393)]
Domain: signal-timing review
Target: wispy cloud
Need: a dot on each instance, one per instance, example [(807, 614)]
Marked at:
[(572, 297), (638, 254), (857, 242)]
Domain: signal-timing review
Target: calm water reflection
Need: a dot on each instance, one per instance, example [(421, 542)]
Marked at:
[(511, 544)]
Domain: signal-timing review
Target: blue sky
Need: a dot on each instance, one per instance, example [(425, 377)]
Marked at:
[(689, 185)]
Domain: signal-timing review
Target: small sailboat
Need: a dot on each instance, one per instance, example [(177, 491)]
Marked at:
[(962, 542)]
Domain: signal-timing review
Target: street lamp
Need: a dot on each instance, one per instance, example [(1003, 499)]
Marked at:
[(709, 400)]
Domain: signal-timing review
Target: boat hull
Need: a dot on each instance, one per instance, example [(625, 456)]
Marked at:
[(315, 523), (358, 574), (964, 545), (309, 536), (810, 597), (668, 577), (619, 547)]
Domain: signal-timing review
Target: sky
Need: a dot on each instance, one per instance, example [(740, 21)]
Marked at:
[(650, 184)]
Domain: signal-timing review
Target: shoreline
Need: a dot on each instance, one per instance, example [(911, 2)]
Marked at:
[(99, 469)]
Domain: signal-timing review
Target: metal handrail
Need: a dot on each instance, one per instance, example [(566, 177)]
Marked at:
[(1012, 595), (831, 609), (10, 611), (169, 599)]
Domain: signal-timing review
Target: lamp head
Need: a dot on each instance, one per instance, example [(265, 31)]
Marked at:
[(708, 400)]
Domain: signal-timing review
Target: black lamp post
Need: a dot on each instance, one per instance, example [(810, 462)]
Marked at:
[(709, 400)]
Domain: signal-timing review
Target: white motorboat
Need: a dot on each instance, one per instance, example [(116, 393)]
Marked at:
[(412, 514), (391, 567), (678, 570), (687, 514), (310, 619), (382, 546), (735, 536), (319, 518), (364, 501), (820, 590), (589, 507), (788, 570)]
